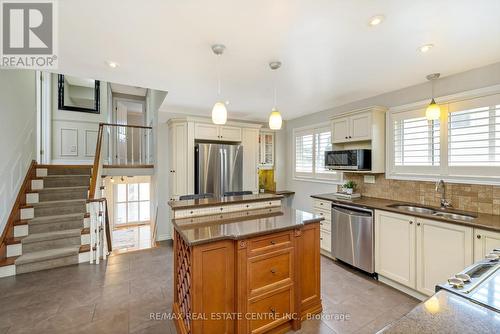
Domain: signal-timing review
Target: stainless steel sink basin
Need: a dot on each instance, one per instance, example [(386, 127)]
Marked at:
[(429, 211), (413, 208), (454, 216)]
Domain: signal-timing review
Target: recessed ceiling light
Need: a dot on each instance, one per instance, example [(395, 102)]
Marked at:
[(112, 64), (425, 48), (376, 20)]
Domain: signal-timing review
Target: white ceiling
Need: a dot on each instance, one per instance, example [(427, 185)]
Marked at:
[(330, 55)]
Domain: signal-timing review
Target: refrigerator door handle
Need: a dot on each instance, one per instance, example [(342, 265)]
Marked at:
[(221, 154)]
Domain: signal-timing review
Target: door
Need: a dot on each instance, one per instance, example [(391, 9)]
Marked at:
[(232, 168), (250, 142), (484, 243), (442, 251), (229, 133), (360, 127), (395, 247), (121, 133), (208, 169), (206, 131), (340, 130)]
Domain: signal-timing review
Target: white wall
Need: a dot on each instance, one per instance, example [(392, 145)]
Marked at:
[(74, 134), (474, 79), (18, 134)]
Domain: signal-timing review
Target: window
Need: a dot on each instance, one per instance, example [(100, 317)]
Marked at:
[(463, 145), (132, 203), (310, 147)]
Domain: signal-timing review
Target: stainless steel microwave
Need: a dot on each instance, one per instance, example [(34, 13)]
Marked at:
[(360, 159)]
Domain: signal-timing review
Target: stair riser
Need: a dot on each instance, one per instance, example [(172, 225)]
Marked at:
[(69, 171), (20, 231), (56, 226), (51, 244), (14, 250), (60, 210), (59, 195), (58, 182), (47, 264)]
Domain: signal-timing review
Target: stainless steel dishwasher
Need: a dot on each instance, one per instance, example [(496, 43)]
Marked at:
[(352, 236)]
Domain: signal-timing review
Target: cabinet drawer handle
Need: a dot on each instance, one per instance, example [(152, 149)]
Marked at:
[(273, 242), (191, 212), (418, 224), (411, 222), (320, 238), (221, 209), (273, 271), (479, 236)]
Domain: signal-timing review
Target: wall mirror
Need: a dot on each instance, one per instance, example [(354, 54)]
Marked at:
[(78, 94)]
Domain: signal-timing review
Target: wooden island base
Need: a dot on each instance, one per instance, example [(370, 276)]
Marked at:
[(263, 284)]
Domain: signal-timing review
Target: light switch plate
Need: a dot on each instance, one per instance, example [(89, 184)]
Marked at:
[(369, 179)]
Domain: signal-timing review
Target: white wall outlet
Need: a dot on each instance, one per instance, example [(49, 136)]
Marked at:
[(369, 179)]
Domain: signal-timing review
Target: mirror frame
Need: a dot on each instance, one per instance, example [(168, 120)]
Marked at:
[(61, 106)]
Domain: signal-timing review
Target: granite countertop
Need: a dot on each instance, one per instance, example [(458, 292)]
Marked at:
[(483, 220), (241, 225), (281, 192), (204, 202), (447, 313)]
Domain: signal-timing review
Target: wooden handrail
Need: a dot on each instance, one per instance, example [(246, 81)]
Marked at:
[(95, 167), (127, 126)]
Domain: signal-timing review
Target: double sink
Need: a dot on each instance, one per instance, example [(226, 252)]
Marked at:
[(433, 212)]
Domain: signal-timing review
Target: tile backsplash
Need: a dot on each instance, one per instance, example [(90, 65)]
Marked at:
[(468, 197)]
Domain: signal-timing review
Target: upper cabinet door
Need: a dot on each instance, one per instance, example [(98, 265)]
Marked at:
[(340, 130), (442, 251), (266, 149), (360, 127), (229, 133), (206, 131)]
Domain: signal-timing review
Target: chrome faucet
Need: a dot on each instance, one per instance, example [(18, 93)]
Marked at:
[(440, 188)]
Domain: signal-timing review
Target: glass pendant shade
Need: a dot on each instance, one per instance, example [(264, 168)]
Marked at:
[(219, 113), (433, 111), (275, 120)]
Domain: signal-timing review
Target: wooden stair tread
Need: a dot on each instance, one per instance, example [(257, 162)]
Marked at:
[(86, 230), (14, 240), (20, 222), (8, 261), (87, 215), (84, 248)]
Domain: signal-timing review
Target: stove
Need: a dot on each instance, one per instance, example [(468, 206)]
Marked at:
[(479, 283)]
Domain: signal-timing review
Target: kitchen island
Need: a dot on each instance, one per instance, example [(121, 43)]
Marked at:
[(246, 271)]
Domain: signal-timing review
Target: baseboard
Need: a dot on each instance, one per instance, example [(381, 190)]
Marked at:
[(400, 287), (162, 237)]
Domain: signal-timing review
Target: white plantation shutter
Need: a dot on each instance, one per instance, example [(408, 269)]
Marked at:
[(474, 137), (310, 147), (304, 145), (416, 142)]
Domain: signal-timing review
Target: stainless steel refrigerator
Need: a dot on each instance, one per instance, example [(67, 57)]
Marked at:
[(218, 168)]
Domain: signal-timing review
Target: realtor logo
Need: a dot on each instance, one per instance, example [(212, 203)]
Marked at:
[(28, 34)]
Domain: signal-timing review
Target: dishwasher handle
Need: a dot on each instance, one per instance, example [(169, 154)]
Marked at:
[(351, 211)]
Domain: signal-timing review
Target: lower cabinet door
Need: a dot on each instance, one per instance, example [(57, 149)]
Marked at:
[(326, 240), (442, 251), (484, 243), (395, 247), (270, 310)]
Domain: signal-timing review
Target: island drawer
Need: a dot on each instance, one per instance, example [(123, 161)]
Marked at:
[(270, 310), (270, 271), (269, 243)]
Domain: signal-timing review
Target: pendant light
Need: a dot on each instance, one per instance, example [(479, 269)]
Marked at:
[(219, 111), (275, 120), (433, 110)]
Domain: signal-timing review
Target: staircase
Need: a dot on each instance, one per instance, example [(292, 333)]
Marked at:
[(53, 227)]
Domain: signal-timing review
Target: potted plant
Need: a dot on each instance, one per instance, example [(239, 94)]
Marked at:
[(349, 187)]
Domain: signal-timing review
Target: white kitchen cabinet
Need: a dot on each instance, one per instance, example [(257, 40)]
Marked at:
[(395, 247), (206, 131), (484, 243), (266, 149), (178, 159), (325, 228), (442, 251), (340, 130), (250, 142), (357, 127), (325, 239)]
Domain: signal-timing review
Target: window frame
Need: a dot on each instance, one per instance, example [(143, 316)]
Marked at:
[(127, 202), (457, 174), (335, 177)]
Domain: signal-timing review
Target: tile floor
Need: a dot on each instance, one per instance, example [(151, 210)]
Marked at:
[(118, 297)]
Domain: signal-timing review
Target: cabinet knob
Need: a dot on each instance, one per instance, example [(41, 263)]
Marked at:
[(418, 224), (320, 238), (273, 242), (272, 309), (273, 271), (350, 137), (478, 236), (411, 222)]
